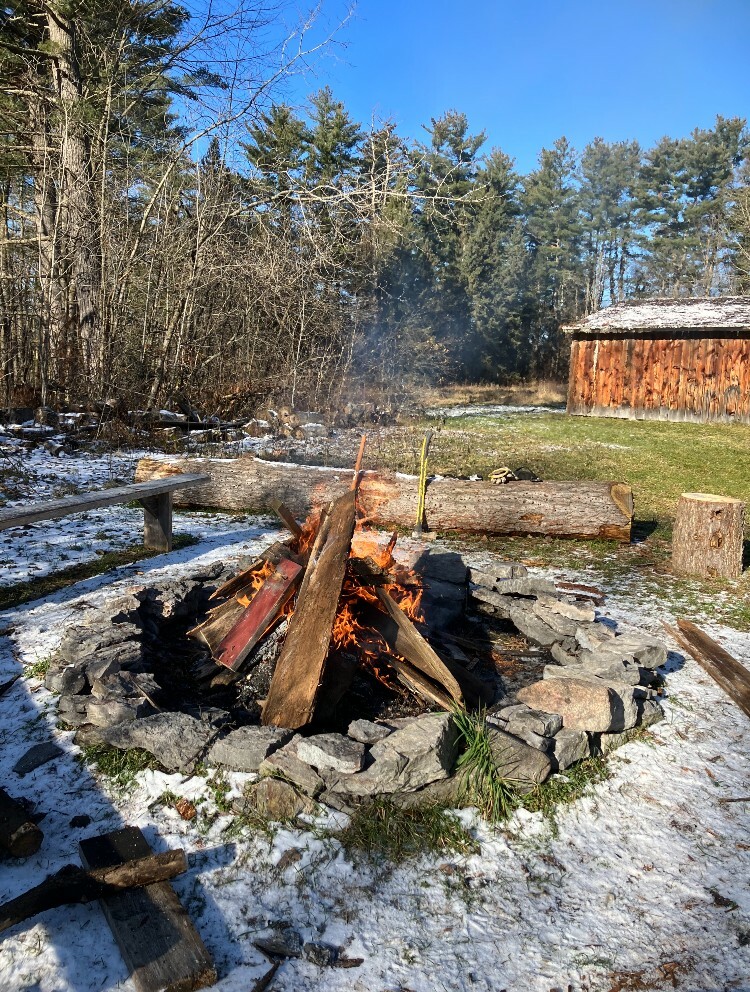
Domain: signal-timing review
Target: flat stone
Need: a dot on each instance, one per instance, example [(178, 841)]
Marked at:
[(244, 749), (598, 707), (332, 751), (563, 625), (37, 756), (70, 680), (421, 752), (561, 656), (526, 586), (611, 671), (285, 943), (522, 717), (101, 668), (285, 764), (111, 712), (524, 766), (531, 625), (609, 742), (278, 800), (568, 747), (490, 577), (566, 606), (322, 955), (591, 636), (367, 732), (176, 740)]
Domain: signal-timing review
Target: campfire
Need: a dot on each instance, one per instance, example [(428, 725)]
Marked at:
[(332, 601)]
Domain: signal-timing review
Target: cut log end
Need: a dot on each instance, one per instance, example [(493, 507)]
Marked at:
[(707, 540)]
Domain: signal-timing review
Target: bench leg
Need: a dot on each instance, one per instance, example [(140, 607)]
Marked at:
[(157, 522)]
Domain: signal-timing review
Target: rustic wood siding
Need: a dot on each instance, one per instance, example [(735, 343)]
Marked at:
[(685, 376)]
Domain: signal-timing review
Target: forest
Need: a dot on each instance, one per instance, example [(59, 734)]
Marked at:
[(173, 225)]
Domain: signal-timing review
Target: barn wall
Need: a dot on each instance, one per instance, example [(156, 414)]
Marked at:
[(684, 377)]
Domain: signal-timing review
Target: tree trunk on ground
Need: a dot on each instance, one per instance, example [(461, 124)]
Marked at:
[(559, 509), (707, 537)]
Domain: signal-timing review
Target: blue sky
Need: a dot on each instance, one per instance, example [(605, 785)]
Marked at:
[(529, 71)]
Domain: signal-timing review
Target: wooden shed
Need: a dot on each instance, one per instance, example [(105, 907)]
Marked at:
[(663, 359)]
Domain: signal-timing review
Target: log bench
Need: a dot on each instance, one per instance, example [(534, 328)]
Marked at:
[(155, 497)]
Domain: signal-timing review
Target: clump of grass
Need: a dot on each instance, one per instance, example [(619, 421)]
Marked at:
[(566, 787), (382, 829), (39, 669), (482, 785), (120, 767)]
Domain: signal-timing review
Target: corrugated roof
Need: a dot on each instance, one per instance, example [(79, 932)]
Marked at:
[(669, 314)]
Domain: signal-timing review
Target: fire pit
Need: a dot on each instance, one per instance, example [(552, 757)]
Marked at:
[(331, 665)]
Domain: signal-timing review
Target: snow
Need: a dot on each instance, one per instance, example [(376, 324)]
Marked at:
[(640, 876), (490, 410), (670, 314)]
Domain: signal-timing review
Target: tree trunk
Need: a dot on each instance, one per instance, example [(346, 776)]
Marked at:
[(707, 537), (559, 509)]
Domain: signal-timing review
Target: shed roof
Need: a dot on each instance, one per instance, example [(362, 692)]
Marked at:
[(669, 315)]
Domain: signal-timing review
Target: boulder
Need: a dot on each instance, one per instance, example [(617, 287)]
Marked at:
[(176, 740), (72, 709), (111, 712), (367, 732), (285, 764), (568, 747), (278, 800), (70, 680), (421, 752), (524, 766), (244, 749), (649, 712), (332, 751), (596, 706), (522, 717)]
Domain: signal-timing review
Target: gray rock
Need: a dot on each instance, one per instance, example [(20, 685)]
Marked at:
[(322, 955), (285, 764), (111, 712), (444, 792), (72, 709), (515, 760), (611, 671), (367, 732), (532, 626), (37, 756), (609, 742), (560, 623), (443, 602), (416, 754), (566, 606), (278, 800), (176, 740), (244, 749), (568, 747), (649, 712), (283, 943), (591, 636), (101, 668), (498, 572), (70, 680), (593, 705), (332, 751), (81, 642), (561, 656), (522, 717), (523, 587)]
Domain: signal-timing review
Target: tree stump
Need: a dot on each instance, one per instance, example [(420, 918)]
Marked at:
[(707, 537)]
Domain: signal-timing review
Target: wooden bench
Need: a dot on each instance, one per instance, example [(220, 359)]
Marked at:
[(155, 497)]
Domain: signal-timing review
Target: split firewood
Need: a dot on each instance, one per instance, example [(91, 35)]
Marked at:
[(286, 516), (274, 553), (725, 670), (263, 609), (405, 640), (299, 672), (72, 884), (421, 686), (19, 836)]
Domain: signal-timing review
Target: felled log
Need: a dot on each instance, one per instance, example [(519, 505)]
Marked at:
[(19, 836), (707, 536), (725, 670), (296, 681), (72, 884), (559, 509)]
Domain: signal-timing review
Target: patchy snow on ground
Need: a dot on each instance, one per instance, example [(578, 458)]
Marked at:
[(490, 410), (641, 884)]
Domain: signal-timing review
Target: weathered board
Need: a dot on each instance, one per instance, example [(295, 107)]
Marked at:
[(683, 375), (157, 939)]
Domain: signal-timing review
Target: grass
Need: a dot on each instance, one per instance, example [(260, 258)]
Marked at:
[(120, 767), (565, 787), (481, 783), (39, 669), (45, 585), (383, 830)]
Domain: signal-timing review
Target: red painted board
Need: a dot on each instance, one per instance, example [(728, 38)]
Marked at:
[(263, 609)]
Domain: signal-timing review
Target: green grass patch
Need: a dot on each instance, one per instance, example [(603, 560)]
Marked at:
[(565, 787), (45, 585), (482, 785), (39, 669), (120, 767), (381, 830)]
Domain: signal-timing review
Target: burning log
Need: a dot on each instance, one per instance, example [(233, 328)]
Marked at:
[(295, 685), (259, 615), (559, 509)]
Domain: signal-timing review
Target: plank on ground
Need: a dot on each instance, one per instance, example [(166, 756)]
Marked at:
[(725, 670), (157, 939)]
